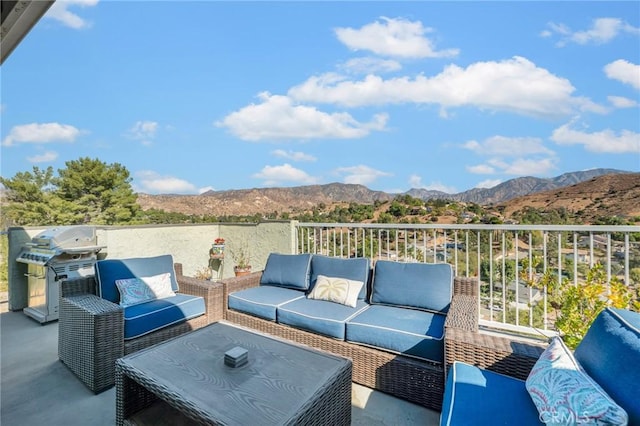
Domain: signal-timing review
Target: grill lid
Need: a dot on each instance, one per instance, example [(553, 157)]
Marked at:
[(74, 241)]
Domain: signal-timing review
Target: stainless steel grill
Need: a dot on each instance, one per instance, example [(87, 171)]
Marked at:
[(54, 255)]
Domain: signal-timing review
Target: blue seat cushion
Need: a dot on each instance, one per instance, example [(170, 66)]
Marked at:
[(262, 301), (426, 286), (356, 269), (110, 270), (318, 316), (474, 396), (159, 313), (407, 331), (287, 270), (610, 354)]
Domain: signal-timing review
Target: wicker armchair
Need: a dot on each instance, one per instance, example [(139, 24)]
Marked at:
[(464, 341), (91, 329)]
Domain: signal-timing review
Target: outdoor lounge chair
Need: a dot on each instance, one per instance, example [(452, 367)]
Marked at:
[(94, 329)]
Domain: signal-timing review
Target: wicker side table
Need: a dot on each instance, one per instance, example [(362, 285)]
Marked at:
[(281, 384)]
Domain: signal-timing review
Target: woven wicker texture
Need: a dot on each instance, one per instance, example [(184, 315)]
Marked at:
[(414, 380), (281, 384), (91, 329)]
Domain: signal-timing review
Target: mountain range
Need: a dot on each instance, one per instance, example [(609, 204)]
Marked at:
[(303, 198)]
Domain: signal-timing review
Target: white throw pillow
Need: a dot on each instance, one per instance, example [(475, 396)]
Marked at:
[(134, 291), (337, 290), (565, 394)]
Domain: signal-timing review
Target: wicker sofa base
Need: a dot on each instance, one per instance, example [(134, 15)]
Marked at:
[(420, 382)]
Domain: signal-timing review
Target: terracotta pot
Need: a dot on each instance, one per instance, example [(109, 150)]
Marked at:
[(241, 271)]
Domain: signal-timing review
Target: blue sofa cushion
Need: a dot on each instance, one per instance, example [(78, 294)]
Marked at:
[(473, 396), (318, 316), (287, 270), (159, 313), (416, 285), (110, 270), (407, 331), (610, 354), (356, 269), (262, 301)]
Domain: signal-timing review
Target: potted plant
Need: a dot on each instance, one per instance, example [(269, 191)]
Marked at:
[(241, 257)]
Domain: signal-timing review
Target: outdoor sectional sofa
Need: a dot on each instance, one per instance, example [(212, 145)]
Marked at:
[(598, 383), (394, 332), (94, 329)]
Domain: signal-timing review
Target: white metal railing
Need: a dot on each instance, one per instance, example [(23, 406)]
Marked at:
[(504, 258)]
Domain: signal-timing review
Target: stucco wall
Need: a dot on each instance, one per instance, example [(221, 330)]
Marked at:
[(189, 245)]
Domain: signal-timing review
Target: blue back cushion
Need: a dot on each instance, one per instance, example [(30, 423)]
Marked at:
[(351, 269), (287, 270), (610, 354), (110, 270), (426, 286)]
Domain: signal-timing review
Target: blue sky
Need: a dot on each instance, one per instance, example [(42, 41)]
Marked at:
[(191, 96)]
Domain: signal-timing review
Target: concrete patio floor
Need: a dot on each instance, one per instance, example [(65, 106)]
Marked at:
[(37, 389)]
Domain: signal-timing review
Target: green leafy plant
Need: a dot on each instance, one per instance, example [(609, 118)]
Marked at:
[(241, 256), (577, 306)]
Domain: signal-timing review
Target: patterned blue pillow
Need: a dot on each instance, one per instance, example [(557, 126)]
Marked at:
[(565, 394)]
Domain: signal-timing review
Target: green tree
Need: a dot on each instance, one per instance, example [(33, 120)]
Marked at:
[(102, 192), (28, 198)]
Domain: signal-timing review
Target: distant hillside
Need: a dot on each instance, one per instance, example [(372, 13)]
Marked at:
[(262, 200), (609, 195), (514, 188), (304, 198)]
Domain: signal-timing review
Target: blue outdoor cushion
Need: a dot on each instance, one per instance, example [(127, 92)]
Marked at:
[(110, 270), (416, 285), (474, 396), (262, 301), (610, 354), (407, 331), (159, 313), (356, 269), (318, 316), (287, 270)]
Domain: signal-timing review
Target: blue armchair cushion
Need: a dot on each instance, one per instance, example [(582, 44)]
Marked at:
[(109, 270), (610, 354), (356, 269), (473, 396), (287, 270), (159, 313), (426, 286), (410, 332), (318, 316), (262, 301)]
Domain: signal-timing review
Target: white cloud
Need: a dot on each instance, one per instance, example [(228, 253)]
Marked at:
[(394, 37), (481, 169), (626, 141), (621, 102), (276, 175), (415, 181), (510, 147), (489, 183), (602, 31), (45, 157), (293, 155), (369, 65), (41, 133), (205, 189), (624, 71), (361, 174), (516, 85), (277, 118), (61, 13), (148, 181), (143, 129), (524, 166)]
